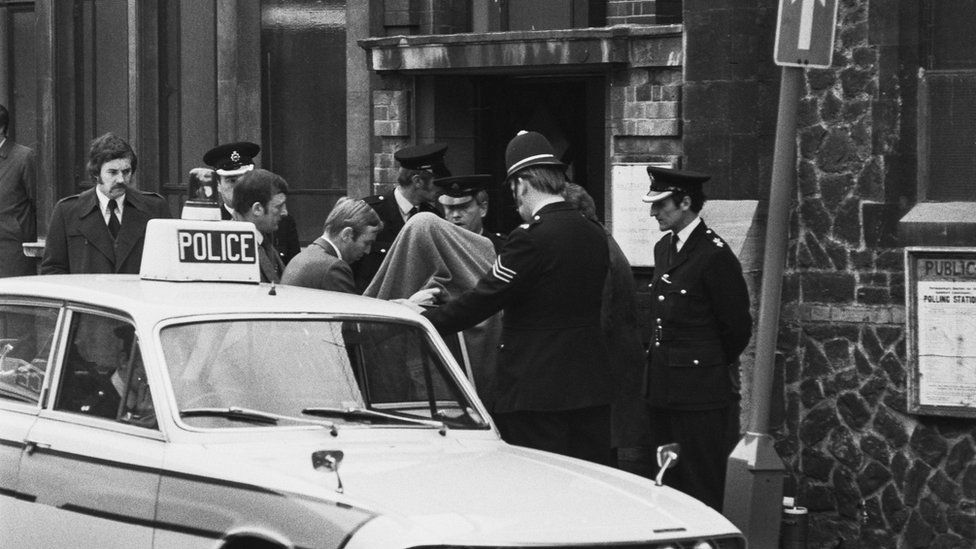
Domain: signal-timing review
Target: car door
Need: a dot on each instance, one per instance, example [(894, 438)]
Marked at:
[(27, 330), (91, 460)]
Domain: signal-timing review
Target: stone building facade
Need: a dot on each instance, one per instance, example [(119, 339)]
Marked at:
[(871, 472)]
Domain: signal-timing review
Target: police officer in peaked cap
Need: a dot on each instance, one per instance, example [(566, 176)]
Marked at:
[(465, 202), (232, 160), (414, 193), (553, 381), (700, 324)]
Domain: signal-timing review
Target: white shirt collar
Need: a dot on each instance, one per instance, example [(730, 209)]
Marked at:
[(2, 141), (683, 234), (103, 203), (545, 202), (334, 247), (402, 203)]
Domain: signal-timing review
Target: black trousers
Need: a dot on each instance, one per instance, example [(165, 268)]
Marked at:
[(583, 433), (707, 437)]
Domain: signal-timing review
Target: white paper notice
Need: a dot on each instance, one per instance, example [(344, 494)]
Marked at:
[(947, 343)]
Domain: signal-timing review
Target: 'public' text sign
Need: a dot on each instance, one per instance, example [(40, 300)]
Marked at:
[(805, 33)]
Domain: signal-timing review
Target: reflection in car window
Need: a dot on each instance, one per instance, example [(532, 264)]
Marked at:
[(285, 366), (26, 333), (103, 374)]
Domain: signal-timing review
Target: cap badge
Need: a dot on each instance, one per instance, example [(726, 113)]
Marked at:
[(455, 187), (718, 242), (235, 156)]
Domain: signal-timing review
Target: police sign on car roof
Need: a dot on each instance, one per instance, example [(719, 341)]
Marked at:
[(198, 251)]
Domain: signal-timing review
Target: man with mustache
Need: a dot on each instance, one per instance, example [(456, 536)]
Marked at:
[(102, 229)]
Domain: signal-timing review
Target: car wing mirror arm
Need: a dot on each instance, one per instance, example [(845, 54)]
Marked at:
[(667, 456)]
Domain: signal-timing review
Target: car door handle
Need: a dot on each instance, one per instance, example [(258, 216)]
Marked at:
[(31, 446)]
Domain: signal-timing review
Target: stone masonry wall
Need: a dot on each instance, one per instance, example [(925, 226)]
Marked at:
[(871, 473)]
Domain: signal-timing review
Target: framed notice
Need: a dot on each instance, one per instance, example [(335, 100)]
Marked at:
[(940, 300)]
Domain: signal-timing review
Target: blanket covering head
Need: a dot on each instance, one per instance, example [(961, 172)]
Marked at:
[(430, 252)]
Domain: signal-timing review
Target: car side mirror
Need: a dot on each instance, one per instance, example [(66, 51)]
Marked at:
[(667, 456), (328, 461)]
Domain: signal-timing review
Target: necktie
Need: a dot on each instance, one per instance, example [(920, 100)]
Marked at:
[(113, 218), (674, 248), (412, 211)]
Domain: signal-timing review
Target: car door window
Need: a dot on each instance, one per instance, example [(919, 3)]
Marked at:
[(26, 335), (103, 374)]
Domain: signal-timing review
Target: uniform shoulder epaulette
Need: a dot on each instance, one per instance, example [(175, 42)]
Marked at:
[(499, 235), (374, 199), (153, 193), (715, 239)]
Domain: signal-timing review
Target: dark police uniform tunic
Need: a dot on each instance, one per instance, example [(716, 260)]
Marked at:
[(497, 240), (387, 209), (549, 281), (701, 324)]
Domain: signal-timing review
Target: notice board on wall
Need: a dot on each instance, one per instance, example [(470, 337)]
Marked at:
[(940, 295)]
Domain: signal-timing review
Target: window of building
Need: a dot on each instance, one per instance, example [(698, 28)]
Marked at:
[(947, 102)]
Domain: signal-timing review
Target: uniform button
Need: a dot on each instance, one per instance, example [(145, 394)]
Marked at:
[(382, 250), (659, 321), (660, 298), (650, 285), (502, 346), (657, 343), (695, 362), (537, 218), (683, 292)]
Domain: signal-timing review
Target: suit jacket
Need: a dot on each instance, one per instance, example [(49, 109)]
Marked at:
[(285, 239), (387, 209), (318, 266), (701, 324), (78, 240), (18, 218), (269, 260), (549, 281)]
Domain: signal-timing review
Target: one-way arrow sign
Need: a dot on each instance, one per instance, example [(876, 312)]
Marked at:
[(805, 33)]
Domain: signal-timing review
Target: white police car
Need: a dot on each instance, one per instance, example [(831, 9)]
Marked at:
[(153, 413)]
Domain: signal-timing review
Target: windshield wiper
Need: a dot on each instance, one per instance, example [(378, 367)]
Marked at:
[(324, 411), (252, 416)]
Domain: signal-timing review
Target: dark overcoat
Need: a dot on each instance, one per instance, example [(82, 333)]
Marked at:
[(548, 280), (700, 324), (78, 240), (18, 218), (385, 206)]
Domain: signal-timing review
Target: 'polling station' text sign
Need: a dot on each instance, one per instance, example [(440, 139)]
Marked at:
[(940, 303), (805, 33)]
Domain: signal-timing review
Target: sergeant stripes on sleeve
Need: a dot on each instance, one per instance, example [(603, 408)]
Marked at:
[(501, 272)]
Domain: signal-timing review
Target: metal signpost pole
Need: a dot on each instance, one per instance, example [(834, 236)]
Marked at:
[(754, 480)]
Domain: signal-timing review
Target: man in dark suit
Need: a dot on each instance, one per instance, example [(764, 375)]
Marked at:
[(465, 202), (349, 233), (259, 197), (18, 220), (232, 160), (553, 380), (419, 165), (701, 324), (101, 230)]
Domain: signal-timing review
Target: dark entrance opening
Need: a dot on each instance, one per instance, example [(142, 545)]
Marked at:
[(569, 111)]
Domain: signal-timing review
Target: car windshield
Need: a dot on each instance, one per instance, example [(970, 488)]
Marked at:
[(256, 372)]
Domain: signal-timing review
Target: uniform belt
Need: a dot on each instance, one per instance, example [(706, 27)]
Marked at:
[(662, 334)]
